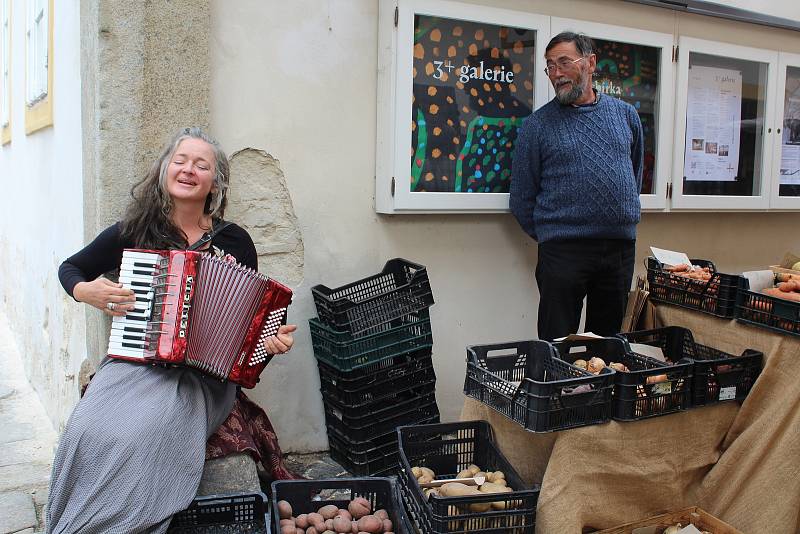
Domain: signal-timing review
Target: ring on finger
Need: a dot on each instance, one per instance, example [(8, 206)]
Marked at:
[(111, 306)]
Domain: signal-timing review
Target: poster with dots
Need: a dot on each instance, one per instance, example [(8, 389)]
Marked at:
[(630, 72), (472, 89)]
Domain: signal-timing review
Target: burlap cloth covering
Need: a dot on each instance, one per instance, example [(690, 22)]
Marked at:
[(740, 463)]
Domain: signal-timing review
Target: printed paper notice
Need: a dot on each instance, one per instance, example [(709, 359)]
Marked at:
[(790, 155), (713, 122)]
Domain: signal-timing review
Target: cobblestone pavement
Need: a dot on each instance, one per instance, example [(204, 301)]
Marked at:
[(27, 443)]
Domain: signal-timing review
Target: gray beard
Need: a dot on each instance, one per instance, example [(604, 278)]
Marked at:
[(571, 96)]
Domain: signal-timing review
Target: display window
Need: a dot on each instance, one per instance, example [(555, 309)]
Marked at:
[(724, 138), (786, 159), (465, 79)]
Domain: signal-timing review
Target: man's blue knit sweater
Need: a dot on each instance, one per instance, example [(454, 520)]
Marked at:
[(577, 171)]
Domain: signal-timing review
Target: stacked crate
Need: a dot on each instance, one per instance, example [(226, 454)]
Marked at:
[(373, 344)]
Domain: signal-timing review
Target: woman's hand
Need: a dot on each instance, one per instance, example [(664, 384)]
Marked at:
[(101, 292), (282, 341)]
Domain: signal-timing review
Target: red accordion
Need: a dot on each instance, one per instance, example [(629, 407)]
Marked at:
[(197, 310)]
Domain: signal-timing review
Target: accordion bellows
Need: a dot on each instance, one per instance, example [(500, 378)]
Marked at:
[(198, 310)]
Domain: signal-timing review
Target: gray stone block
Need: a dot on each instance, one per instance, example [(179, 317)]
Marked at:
[(235, 473), (16, 512)]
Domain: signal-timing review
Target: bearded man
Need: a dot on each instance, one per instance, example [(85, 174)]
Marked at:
[(576, 176)]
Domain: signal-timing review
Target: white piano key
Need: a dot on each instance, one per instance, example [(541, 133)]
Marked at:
[(130, 353), (146, 256)]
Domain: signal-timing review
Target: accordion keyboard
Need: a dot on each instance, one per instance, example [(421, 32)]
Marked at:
[(129, 335)]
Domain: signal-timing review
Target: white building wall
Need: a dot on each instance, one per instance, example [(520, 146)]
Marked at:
[(41, 222), (298, 80)]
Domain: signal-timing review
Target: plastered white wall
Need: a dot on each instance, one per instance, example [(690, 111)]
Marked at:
[(42, 219), (298, 80)]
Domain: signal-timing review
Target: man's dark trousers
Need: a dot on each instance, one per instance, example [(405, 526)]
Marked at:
[(567, 271)]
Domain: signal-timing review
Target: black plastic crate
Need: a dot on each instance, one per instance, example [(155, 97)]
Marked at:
[(447, 449), (307, 496), (357, 389), (242, 513), (402, 287), (649, 387), (341, 350), (779, 315), (717, 375), (374, 456), (525, 381), (716, 296), (359, 424)]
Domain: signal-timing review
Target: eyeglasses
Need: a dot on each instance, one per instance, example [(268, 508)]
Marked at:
[(562, 64)]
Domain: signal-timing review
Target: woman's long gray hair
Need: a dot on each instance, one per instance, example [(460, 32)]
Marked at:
[(147, 222)]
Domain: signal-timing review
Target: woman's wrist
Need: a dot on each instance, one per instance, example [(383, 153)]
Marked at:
[(77, 291)]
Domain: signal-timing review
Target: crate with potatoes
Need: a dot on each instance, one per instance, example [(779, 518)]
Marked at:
[(373, 344), (717, 376), (643, 386), (454, 479), (696, 285), (343, 505), (529, 384), (775, 307)]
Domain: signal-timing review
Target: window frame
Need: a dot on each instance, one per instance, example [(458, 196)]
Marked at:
[(777, 202), (656, 201), (39, 113), (5, 90), (687, 45)]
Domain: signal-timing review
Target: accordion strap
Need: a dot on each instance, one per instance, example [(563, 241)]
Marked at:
[(220, 226)]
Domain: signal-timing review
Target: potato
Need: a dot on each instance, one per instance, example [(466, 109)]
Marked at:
[(424, 479), (315, 520), (359, 507), (288, 529), (312, 530), (489, 487), (342, 524), (370, 523), (301, 521), (464, 473), (456, 489), (480, 506), (494, 475), (284, 510), (416, 471), (387, 525), (328, 512), (344, 513), (473, 469), (381, 514), (287, 522), (428, 472), (329, 531), (354, 527), (329, 524)]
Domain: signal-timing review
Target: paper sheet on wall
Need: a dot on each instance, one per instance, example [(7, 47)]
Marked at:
[(713, 122), (790, 138)]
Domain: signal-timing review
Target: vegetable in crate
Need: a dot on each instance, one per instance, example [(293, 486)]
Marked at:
[(487, 483), (358, 517)]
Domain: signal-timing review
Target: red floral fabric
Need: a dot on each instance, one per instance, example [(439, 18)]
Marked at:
[(248, 429)]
